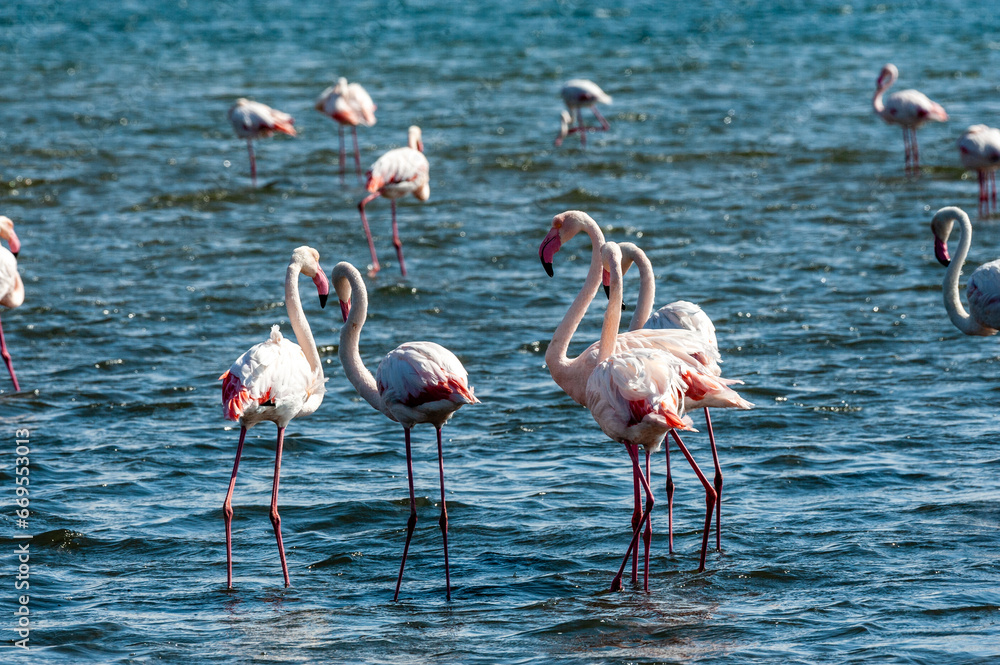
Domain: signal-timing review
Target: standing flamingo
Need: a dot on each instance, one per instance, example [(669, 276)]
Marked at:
[(579, 94), (395, 174), (979, 150), (11, 286), (276, 380), (253, 120), (417, 382), (348, 104), (983, 289), (908, 108)]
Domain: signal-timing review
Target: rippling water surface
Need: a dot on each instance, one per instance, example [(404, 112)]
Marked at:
[(861, 503)]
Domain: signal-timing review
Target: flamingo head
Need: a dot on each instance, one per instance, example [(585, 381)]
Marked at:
[(887, 77), (565, 225), (565, 120), (307, 259), (7, 233), (611, 257), (941, 226), (414, 138), (342, 286)]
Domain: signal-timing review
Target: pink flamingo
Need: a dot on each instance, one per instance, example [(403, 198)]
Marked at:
[(253, 120), (979, 150), (11, 286), (276, 380), (983, 288), (697, 356), (348, 104), (908, 108), (579, 94), (393, 175), (417, 382)]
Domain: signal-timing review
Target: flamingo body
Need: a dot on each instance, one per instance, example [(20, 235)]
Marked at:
[(577, 95), (683, 315), (979, 150)]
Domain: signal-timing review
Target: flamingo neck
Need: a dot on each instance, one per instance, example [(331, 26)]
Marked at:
[(647, 288), (612, 316), (297, 318), (952, 301), (560, 365), (350, 353)]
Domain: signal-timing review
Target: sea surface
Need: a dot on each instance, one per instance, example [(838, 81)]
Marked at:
[(862, 494)]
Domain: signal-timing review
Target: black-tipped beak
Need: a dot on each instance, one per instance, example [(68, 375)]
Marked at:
[(15, 254), (322, 299), (547, 266), (607, 291)]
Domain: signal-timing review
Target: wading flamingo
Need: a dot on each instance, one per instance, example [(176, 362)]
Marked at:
[(395, 174), (908, 108), (417, 382), (276, 380), (348, 104), (979, 150), (11, 286), (983, 289), (253, 120), (579, 94)]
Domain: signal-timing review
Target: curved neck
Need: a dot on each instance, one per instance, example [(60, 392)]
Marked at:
[(612, 316), (647, 287), (877, 100), (952, 302), (349, 352), (555, 355), (293, 304)]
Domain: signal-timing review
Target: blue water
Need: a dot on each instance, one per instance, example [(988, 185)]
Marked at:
[(861, 502)]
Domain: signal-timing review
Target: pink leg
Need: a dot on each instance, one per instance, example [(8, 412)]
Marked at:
[(670, 500), (275, 517), (227, 511), (7, 360), (253, 163), (600, 118), (647, 537), (718, 482), (357, 153), (709, 497), (633, 452), (443, 520), (984, 205), (343, 152), (396, 241), (993, 188), (636, 518), (412, 522), (368, 233)]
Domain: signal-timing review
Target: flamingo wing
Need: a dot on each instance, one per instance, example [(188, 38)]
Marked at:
[(581, 92), (912, 109), (253, 119), (8, 272), (418, 373), (403, 170), (361, 102), (983, 292)]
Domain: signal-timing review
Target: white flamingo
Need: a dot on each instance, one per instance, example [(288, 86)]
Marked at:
[(395, 174), (578, 95), (908, 108), (979, 150), (253, 120), (11, 285), (276, 380), (983, 288), (417, 382), (348, 104)]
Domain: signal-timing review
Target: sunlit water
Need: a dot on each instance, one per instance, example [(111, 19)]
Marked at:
[(861, 504)]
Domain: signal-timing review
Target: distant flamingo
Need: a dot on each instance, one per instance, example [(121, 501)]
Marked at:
[(579, 94), (276, 380), (348, 104), (908, 108), (253, 120), (979, 150), (417, 382), (11, 286), (395, 174), (983, 288)]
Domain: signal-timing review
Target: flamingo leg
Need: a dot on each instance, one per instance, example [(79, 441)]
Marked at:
[(227, 511), (582, 129), (357, 153), (633, 452), (443, 520), (670, 500), (396, 241), (412, 522), (605, 126), (718, 482), (906, 150), (993, 188), (983, 195), (647, 536), (915, 150), (275, 517), (636, 517), (368, 234), (709, 497), (253, 162), (343, 152), (8, 361)]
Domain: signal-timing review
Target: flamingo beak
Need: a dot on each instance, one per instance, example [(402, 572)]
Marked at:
[(941, 252), (322, 286), (606, 282), (548, 249), (15, 244), (345, 309)]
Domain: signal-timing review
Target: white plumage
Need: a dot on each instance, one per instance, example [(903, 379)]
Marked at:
[(348, 104), (422, 382), (253, 120), (683, 315), (579, 94)]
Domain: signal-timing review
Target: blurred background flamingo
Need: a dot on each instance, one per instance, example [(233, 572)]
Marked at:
[(979, 150), (908, 108), (349, 104), (11, 285), (253, 120)]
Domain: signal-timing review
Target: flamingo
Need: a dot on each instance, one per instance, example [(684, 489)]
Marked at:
[(348, 104), (908, 108), (979, 150), (983, 288), (276, 380), (253, 120), (697, 356), (417, 382), (579, 94), (11, 286), (395, 174)]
